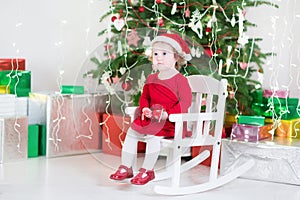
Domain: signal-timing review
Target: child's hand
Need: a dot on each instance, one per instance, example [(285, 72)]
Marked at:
[(146, 112)]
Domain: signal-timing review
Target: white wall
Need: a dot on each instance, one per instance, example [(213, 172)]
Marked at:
[(52, 36), (280, 31)]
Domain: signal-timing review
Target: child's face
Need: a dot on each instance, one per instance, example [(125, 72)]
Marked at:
[(163, 56)]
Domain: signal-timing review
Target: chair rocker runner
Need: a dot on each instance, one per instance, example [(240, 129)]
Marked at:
[(205, 121)]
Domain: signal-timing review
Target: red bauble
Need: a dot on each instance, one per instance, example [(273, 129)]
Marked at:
[(113, 18), (208, 52), (219, 51), (158, 1), (141, 9), (208, 30), (161, 22), (126, 85)]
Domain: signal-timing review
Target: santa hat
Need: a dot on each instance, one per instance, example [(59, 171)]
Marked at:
[(176, 42)]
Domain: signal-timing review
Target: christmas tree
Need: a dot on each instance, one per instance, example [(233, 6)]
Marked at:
[(214, 30)]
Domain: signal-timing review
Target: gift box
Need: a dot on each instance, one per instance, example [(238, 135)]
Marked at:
[(288, 128), (251, 133), (7, 105), (275, 93), (275, 160), (72, 89), (13, 139), (72, 125), (33, 141), (42, 139), (18, 81), (37, 105), (21, 106), (4, 89), (251, 120), (283, 108), (12, 64), (114, 131)]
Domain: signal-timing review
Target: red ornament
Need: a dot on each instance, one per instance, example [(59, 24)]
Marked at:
[(208, 52), (208, 30), (160, 22), (219, 51), (158, 1), (126, 85), (113, 18), (141, 9)]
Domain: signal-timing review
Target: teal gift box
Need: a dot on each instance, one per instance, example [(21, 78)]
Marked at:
[(33, 141), (72, 89), (251, 120), (19, 82)]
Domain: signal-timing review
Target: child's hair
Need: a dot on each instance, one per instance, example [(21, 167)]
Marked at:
[(180, 62)]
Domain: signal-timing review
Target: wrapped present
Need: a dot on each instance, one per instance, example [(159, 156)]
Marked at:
[(72, 89), (21, 106), (13, 139), (288, 128), (7, 105), (251, 133), (4, 89), (37, 105), (275, 160), (283, 108), (275, 93), (251, 120), (18, 81), (33, 141), (261, 109), (114, 130), (42, 139), (12, 64), (72, 125)]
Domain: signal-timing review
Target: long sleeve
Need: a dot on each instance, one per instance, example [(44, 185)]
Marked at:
[(184, 97)]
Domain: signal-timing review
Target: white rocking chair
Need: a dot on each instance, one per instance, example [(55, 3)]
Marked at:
[(205, 120)]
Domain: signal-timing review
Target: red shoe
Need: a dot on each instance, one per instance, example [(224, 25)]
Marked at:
[(122, 173), (143, 177)]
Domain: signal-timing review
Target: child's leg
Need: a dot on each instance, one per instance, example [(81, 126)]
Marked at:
[(152, 152), (129, 150)]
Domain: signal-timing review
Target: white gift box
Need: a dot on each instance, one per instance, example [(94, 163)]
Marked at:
[(276, 160), (13, 139), (21, 106), (7, 105)]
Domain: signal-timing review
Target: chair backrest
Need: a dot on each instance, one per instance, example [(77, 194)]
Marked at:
[(209, 100)]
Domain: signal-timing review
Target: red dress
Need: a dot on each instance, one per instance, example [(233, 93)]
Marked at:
[(173, 95)]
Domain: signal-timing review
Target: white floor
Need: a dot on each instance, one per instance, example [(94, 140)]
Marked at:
[(86, 177)]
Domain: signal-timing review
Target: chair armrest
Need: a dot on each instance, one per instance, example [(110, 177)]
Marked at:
[(189, 117), (131, 111)]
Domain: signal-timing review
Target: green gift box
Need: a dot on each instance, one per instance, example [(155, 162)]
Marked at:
[(251, 120), (33, 141), (72, 89), (42, 140), (281, 101), (19, 82)]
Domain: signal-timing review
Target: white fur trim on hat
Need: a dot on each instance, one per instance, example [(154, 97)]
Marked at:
[(174, 44)]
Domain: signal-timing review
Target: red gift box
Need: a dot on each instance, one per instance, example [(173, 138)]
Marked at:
[(114, 132), (276, 93), (12, 64), (199, 149)]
